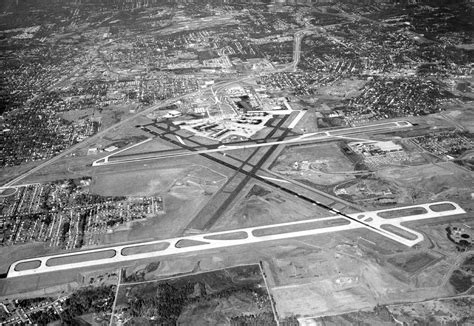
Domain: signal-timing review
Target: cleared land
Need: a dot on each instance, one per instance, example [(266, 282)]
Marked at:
[(260, 205)]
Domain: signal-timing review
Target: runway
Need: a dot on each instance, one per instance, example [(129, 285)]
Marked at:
[(107, 160), (245, 236)]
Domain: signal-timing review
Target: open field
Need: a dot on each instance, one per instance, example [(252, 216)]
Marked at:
[(136, 183), (28, 265), (155, 144), (6, 192), (398, 231), (344, 88), (412, 263), (144, 249), (228, 236), (11, 254), (322, 164), (402, 212), (300, 227), (57, 261), (432, 182), (450, 311), (259, 205)]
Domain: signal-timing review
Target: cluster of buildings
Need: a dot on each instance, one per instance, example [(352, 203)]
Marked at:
[(380, 153), (38, 132), (24, 312), (237, 112), (63, 214), (447, 144), (384, 98), (93, 302), (301, 83)]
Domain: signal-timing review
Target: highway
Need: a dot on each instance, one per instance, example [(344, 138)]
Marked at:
[(244, 236)]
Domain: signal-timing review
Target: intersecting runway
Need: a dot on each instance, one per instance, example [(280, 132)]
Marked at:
[(315, 136)]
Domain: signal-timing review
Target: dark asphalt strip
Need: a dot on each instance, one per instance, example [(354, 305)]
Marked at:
[(252, 174)]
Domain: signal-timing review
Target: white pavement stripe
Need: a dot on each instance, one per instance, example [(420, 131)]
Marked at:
[(296, 119), (180, 140), (303, 138), (371, 219), (274, 179)]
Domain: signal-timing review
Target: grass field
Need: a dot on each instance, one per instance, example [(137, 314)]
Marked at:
[(185, 190), (412, 262), (6, 192), (300, 227), (136, 183), (398, 231), (144, 248), (402, 212), (432, 182), (228, 236), (321, 164), (267, 206), (153, 145), (28, 265), (57, 261)]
